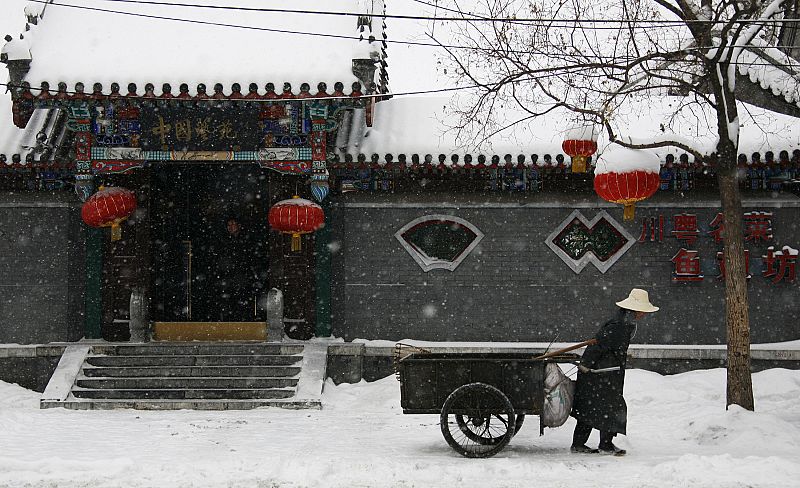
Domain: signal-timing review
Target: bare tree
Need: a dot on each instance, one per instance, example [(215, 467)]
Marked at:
[(592, 58)]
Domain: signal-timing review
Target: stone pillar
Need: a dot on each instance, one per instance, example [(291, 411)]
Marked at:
[(138, 316), (274, 308)]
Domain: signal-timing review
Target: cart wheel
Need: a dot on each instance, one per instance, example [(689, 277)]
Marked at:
[(477, 420), (478, 429)]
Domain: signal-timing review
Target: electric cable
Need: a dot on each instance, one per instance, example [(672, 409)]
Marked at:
[(474, 17), (305, 33)]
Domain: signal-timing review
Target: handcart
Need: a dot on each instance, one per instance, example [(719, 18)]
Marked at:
[(482, 398)]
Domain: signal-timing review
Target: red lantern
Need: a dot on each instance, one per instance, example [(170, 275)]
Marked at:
[(296, 216), (108, 208), (579, 150), (579, 144), (626, 188)]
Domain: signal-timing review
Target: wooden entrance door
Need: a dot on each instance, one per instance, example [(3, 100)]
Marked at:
[(209, 234)]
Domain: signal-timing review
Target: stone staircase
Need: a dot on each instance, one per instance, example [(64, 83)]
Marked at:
[(203, 376)]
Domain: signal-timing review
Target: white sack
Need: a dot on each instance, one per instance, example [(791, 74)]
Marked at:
[(559, 391)]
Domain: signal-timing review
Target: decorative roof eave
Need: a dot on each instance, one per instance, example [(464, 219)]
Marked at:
[(771, 70), (199, 92), (51, 151), (553, 159), (752, 92)]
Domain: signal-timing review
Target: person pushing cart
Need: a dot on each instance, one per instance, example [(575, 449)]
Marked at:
[(598, 402), (482, 398)]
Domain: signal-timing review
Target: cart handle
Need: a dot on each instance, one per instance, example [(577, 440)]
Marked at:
[(401, 351), (567, 349), (605, 370)]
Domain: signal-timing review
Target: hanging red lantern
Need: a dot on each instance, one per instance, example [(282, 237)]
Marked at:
[(109, 207), (579, 144), (296, 216), (628, 182)]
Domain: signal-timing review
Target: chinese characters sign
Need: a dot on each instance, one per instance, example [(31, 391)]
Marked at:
[(778, 265), (196, 128)]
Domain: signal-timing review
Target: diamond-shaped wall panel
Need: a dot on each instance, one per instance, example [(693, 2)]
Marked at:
[(601, 241)]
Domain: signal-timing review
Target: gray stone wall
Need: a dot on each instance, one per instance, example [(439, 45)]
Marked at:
[(512, 287), (41, 268), (32, 373)]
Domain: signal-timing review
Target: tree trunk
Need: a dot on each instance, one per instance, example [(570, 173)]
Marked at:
[(740, 386)]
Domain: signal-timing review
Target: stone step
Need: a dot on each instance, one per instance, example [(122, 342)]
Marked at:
[(181, 394), (168, 376), (187, 371), (183, 349), (201, 404), (185, 382), (202, 360)]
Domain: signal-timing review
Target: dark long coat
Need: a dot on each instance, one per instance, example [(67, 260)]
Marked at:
[(598, 396)]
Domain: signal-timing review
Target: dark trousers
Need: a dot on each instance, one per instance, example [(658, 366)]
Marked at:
[(582, 432)]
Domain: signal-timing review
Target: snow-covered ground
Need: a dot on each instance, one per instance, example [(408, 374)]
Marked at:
[(679, 435)]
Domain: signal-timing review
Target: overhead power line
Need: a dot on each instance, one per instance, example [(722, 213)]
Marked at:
[(246, 27), (326, 35), (472, 15), (281, 31), (461, 18)]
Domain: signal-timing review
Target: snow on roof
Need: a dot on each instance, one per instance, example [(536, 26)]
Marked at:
[(92, 44), (769, 68), (17, 49), (425, 125)]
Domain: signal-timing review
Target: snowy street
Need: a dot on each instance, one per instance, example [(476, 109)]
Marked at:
[(679, 435)]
